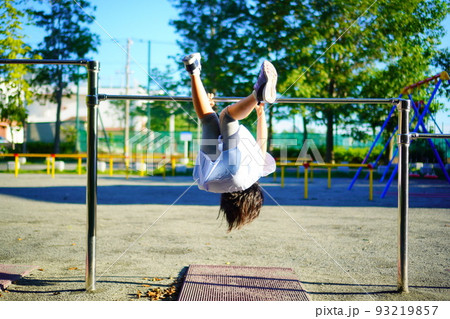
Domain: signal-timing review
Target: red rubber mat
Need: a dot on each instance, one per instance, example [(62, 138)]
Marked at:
[(10, 273), (234, 283)]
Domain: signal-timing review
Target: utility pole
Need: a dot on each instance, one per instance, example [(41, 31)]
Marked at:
[(127, 107), (149, 146), (148, 85)]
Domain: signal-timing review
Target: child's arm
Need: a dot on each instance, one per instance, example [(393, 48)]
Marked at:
[(261, 129)]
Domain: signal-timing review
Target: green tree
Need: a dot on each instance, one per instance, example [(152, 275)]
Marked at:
[(160, 111), (321, 48), (441, 62), (14, 88), (372, 50), (216, 29), (68, 37)]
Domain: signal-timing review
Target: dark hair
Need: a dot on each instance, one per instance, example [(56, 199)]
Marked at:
[(241, 208)]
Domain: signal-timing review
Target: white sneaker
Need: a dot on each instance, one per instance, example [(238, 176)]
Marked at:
[(192, 63), (265, 86)]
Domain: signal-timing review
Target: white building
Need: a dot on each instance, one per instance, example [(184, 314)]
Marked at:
[(42, 110)]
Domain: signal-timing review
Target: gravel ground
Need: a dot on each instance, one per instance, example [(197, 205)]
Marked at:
[(342, 246)]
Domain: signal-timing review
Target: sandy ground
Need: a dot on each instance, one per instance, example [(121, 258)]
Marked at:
[(341, 245)]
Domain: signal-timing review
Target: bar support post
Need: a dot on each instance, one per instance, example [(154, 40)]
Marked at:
[(92, 102), (403, 193)]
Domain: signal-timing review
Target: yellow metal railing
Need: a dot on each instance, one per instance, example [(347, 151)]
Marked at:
[(163, 160), (308, 173), (308, 167)]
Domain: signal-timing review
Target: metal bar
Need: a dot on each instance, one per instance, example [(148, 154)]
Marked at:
[(403, 193), (91, 191), (37, 61), (428, 135), (104, 97), (434, 120)]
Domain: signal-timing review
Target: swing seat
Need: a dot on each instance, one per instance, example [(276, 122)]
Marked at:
[(430, 176)]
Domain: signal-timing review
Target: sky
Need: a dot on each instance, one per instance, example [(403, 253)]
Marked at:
[(148, 20)]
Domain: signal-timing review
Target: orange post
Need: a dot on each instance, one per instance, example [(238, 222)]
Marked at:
[(305, 193), (127, 165), (142, 172), (111, 166), (173, 164), (53, 165), (329, 176), (16, 165), (48, 160)]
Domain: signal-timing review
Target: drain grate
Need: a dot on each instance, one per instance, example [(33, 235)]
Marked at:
[(235, 283)]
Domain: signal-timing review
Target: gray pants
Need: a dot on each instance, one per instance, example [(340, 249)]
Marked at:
[(212, 127)]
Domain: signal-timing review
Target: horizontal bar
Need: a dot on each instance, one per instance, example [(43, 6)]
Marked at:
[(104, 97), (43, 61), (280, 163), (83, 155), (428, 135)]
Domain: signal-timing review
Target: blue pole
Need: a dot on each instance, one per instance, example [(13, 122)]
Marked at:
[(440, 131), (430, 142), (394, 172), (381, 153), (389, 164), (373, 144), (395, 152), (427, 106)]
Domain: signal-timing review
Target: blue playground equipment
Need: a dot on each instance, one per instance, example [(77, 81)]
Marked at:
[(443, 76)]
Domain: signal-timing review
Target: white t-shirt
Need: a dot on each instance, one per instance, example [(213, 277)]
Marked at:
[(235, 169)]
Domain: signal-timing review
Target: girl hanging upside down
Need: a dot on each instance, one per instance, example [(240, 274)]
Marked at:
[(230, 161)]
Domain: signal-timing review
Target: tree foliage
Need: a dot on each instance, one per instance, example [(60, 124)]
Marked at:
[(67, 37), (160, 111), (321, 48), (217, 29), (14, 88)]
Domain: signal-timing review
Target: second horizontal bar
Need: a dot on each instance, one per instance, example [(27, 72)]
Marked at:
[(104, 97), (428, 135)]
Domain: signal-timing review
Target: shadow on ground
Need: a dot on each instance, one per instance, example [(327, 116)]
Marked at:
[(429, 195)]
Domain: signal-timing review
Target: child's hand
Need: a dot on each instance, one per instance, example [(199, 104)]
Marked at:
[(259, 108), (211, 101)]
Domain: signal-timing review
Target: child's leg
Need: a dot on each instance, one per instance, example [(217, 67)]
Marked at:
[(207, 116), (203, 108), (240, 110), (229, 124), (200, 98)]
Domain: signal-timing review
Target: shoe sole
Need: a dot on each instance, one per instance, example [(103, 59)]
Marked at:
[(189, 59), (270, 91)]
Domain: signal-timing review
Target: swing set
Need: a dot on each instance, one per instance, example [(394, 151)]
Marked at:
[(416, 106), (93, 99)]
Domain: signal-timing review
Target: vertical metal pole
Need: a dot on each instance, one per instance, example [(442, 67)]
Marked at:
[(329, 176), (91, 190), (127, 109), (305, 190), (149, 70), (403, 193)]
